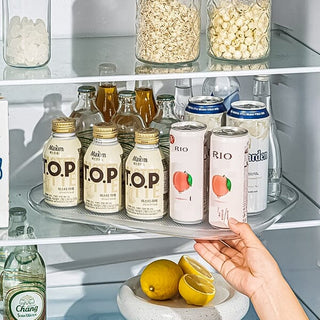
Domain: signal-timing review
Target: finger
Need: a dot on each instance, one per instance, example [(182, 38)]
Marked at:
[(237, 244), (245, 232), (209, 252)]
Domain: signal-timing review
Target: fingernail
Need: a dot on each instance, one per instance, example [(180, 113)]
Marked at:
[(232, 221)]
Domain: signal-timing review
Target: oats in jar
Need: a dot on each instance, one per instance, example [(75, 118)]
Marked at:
[(168, 31), (240, 29)]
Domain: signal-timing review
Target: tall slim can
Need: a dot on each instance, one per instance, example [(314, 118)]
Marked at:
[(188, 161)]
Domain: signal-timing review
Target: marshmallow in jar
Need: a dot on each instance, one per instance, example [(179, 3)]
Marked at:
[(239, 29), (168, 31), (27, 35)]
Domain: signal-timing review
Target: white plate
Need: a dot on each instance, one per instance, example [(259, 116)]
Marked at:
[(228, 304)]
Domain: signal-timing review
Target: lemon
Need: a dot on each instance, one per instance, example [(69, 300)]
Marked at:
[(160, 279), (192, 266), (196, 289)]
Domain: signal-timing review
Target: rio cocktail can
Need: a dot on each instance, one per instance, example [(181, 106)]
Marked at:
[(208, 110), (187, 179), (253, 116), (228, 182)]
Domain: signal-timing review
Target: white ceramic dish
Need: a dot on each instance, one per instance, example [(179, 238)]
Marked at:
[(228, 304)]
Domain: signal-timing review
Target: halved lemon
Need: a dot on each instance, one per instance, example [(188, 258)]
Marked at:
[(192, 266), (196, 290)]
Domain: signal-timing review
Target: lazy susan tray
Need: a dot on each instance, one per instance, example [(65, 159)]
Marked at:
[(166, 225)]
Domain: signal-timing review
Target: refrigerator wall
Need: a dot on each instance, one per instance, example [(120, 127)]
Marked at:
[(295, 99)]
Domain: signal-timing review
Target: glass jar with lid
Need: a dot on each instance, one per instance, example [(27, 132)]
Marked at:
[(168, 31), (26, 32), (239, 29)]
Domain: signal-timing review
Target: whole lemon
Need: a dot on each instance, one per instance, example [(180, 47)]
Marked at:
[(160, 279)]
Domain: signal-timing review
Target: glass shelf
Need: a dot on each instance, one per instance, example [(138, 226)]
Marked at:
[(76, 61), (166, 225)]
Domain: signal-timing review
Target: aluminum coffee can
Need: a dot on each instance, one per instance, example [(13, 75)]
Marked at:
[(228, 182), (253, 116), (188, 172), (208, 110)]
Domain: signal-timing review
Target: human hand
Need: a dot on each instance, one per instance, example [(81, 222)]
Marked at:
[(244, 262), (249, 267)]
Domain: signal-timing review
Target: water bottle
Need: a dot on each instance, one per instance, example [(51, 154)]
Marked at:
[(183, 91), (227, 88), (262, 92)]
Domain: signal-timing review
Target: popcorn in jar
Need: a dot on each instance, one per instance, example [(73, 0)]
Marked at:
[(168, 31), (239, 29)]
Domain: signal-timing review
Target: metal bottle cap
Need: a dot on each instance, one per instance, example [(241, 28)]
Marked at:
[(64, 125), (147, 136), (165, 97), (86, 89), (127, 94), (18, 214), (105, 130)]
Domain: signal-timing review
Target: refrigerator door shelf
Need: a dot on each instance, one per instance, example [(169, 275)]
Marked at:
[(166, 225)]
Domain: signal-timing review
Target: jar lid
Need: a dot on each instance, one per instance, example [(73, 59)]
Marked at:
[(107, 68), (64, 125), (86, 89), (105, 130), (147, 136)]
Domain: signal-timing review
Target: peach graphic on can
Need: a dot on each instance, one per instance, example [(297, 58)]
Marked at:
[(182, 181), (221, 185)]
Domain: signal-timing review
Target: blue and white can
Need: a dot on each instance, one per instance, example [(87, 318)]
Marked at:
[(253, 116), (206, 109)]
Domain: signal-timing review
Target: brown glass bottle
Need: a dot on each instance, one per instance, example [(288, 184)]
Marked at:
[(107, 95), (145, 102)]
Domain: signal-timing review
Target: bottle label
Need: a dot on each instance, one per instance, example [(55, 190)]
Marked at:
[(146, 177), (27, 302), (61, 172), (103, 178)]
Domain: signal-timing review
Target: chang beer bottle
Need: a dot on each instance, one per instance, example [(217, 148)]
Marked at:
[(17, 219), (24, 282)]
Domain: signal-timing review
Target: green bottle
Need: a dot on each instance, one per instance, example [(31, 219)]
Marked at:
[(24, 282)]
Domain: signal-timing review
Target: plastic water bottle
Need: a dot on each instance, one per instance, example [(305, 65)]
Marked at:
[(262, 92), (227, 88), (183, 91)]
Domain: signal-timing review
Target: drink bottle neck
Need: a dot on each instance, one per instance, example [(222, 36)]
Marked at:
[(86, 101), (127, 105), (262, 92)]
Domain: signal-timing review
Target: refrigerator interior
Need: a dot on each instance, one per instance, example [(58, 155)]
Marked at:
[(86, 264)]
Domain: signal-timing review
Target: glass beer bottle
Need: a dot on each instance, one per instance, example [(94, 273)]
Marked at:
[(107, 96), (145, 103)]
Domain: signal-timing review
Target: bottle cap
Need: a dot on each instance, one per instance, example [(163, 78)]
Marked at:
[(18, 214), (86, 89), (64, 125), (165, 97), (107, 69), (147, 136), (127, 94), (105, 130)]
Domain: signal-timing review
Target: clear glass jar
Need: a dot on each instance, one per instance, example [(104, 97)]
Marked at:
[(239, 29), (26, 32), (168, 31)]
